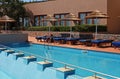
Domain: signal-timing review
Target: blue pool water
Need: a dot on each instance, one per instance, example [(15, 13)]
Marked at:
[(107, 63), (3, 75)]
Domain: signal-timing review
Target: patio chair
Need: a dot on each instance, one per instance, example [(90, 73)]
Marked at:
[(85, 39)]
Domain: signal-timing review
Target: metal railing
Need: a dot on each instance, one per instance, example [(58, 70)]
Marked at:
[(65, 64)]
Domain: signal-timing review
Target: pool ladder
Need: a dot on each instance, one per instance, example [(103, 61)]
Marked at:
[(47, 50)]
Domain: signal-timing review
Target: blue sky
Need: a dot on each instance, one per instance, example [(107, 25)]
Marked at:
[(30, 0), (27, 0)]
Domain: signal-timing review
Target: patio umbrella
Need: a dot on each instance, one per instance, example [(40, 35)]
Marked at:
[(5, 19), (96, 15), (72, 18), (50, 19)]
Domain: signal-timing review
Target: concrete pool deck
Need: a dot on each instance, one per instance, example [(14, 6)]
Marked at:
[(107, 49)]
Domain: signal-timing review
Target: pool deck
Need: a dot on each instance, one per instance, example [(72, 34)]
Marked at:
[(107, 49)]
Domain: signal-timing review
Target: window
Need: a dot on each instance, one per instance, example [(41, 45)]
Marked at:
[(57, 22), (26, 21), (89, 21), (82, 16), (42, 21), (60, 22), (39, 20), (36, 21), (67, 23), (96, 21)]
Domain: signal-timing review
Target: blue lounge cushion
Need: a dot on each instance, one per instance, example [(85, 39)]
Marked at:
[(96, 41), (101, 41), (71, 39), (58, 38), (116, 43), (38, 37), (41, 37), (85, 40)]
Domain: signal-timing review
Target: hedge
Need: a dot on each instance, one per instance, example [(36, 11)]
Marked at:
[(77, 28)]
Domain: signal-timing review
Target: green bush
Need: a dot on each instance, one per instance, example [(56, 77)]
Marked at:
[(77, 28), (90, 28)]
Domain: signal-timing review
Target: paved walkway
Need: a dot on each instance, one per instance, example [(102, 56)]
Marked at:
[(108, 49)]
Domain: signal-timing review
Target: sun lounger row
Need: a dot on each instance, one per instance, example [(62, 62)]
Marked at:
[(87, 40), (97, 42)]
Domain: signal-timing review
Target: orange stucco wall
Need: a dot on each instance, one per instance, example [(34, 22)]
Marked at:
[(113, 13)]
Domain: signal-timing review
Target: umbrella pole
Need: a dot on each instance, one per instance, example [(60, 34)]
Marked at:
[(49, 28), (96, 28), (70, 29), (5, 25)]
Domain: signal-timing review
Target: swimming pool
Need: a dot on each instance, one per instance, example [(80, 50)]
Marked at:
[(103, 62), (3, 75)]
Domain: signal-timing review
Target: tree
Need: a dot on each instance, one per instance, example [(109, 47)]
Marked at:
[(13, 8)]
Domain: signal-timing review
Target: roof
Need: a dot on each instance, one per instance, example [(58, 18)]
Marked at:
[(63, 6)]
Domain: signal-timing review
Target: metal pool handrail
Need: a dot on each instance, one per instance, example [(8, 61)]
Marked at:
[(66, 64)]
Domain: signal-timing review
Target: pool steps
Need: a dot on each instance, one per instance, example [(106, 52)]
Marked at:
[(64, 72), (61, 73), (7, 52), (28, 59), (2, 49), (17, 55), (44, 64), (94, 77)]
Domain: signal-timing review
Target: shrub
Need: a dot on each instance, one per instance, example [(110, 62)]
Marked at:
[(77, 28)]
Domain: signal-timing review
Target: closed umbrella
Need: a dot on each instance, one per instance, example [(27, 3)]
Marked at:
[(96, 15), (5, 19), (72, 18)]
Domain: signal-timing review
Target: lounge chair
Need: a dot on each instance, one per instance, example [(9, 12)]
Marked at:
[(101, 42), (38, 38), (85, 39), (41, 38), (86, 42), (58, 39), (116, 44), (61, 39), (71, 41)]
